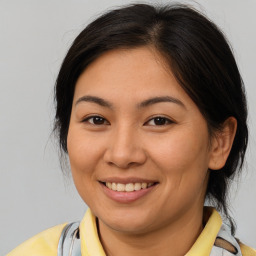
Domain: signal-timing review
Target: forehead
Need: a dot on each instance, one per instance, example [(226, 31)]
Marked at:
[(137, 73)]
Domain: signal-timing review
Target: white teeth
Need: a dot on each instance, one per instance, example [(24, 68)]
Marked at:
[(114, 187), (137, 186), (129, 187), (144, 185), (120, 187)]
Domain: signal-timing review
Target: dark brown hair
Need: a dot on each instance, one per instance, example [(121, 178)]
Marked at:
[(199, 56)]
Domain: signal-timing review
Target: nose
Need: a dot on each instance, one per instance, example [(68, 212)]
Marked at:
[(125, 149)]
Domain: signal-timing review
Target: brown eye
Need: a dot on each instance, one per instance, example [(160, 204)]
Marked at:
[(96, 120), (159, 120)]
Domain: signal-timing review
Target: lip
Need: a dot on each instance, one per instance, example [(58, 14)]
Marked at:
[(127, 180), (126, 197)]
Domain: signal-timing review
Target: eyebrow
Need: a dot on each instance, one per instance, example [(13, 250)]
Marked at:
[(145, 103), (160, 99), (94, 99)]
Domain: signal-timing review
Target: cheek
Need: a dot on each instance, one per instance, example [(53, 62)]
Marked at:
[(83, 149), (182, 156), (83, 156)]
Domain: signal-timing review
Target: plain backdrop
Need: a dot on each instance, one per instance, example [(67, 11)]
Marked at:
[(34, 37)]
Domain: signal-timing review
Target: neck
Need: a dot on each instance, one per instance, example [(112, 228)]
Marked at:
[(173, 239)]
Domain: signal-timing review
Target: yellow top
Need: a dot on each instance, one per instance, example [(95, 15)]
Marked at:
[(46, 243), (42, 244)]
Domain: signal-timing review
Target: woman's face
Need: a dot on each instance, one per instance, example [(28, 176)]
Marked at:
[(134, 128)]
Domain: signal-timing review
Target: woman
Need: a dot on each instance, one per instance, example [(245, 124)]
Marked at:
[(152, 114)]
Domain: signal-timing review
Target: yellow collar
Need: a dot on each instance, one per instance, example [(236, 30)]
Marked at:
[(91, 245), (205, 241)]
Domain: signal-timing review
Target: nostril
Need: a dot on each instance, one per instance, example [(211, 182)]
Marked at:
[(124, 149), (125, 160)]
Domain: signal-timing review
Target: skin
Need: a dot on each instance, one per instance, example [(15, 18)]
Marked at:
[(127, 143)]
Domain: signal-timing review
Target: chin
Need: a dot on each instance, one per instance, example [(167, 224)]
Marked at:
[(127, 227), (128, 222)]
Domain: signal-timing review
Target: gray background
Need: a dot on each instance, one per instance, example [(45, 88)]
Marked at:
[(34, 37)]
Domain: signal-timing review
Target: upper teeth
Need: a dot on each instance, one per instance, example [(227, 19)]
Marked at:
[(127, 187)]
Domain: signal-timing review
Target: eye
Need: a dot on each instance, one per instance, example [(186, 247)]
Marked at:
[(96, 120), (159, 121)]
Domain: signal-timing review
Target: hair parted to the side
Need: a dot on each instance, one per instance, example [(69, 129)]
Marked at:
[(197, 53)]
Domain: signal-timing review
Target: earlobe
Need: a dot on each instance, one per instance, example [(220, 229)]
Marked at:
[(222, 143)]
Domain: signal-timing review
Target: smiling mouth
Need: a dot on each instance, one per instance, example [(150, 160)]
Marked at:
[(129, 187)]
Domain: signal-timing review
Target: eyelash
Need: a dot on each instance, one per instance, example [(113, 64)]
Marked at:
[(163, 120), (94, 118)]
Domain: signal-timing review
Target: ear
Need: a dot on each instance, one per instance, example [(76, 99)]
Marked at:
[(221, 144)]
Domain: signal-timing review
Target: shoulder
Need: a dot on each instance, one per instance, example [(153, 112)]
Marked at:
[(246, 250), (44, 243)]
